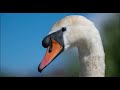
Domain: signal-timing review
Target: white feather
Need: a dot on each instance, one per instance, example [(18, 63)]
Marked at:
[(83, 34)]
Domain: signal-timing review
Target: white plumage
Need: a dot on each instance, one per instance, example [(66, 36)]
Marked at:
[(82, 33)]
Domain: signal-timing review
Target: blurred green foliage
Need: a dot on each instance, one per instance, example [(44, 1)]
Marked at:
[(111, 41)]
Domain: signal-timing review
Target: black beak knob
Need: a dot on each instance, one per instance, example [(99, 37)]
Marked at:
[(46, 42)]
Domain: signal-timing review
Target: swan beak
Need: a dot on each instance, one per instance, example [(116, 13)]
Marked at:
[(50, 55)]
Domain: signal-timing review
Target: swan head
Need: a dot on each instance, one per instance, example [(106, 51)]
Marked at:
[(65, 34)]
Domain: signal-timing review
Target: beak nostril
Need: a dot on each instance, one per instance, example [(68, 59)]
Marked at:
[(50, 44), (50, 49)]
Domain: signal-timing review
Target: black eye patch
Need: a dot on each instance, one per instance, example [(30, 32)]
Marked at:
[(58, 36)]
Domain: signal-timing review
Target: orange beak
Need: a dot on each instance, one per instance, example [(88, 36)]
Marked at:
[(50, 56)]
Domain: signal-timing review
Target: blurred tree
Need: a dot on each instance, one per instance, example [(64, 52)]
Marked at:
[(111, 42)]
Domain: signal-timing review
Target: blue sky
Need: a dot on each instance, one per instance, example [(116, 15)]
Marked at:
[(21, 36)]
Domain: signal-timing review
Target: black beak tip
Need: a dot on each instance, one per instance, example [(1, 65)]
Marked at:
[(40, 70)]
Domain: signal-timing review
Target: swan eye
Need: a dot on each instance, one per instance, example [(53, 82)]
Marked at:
[(63, 29)]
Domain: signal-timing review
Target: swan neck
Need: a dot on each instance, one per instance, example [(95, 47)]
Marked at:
[(92, 61)]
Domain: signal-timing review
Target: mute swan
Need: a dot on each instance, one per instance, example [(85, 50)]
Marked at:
[(76, 31)]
